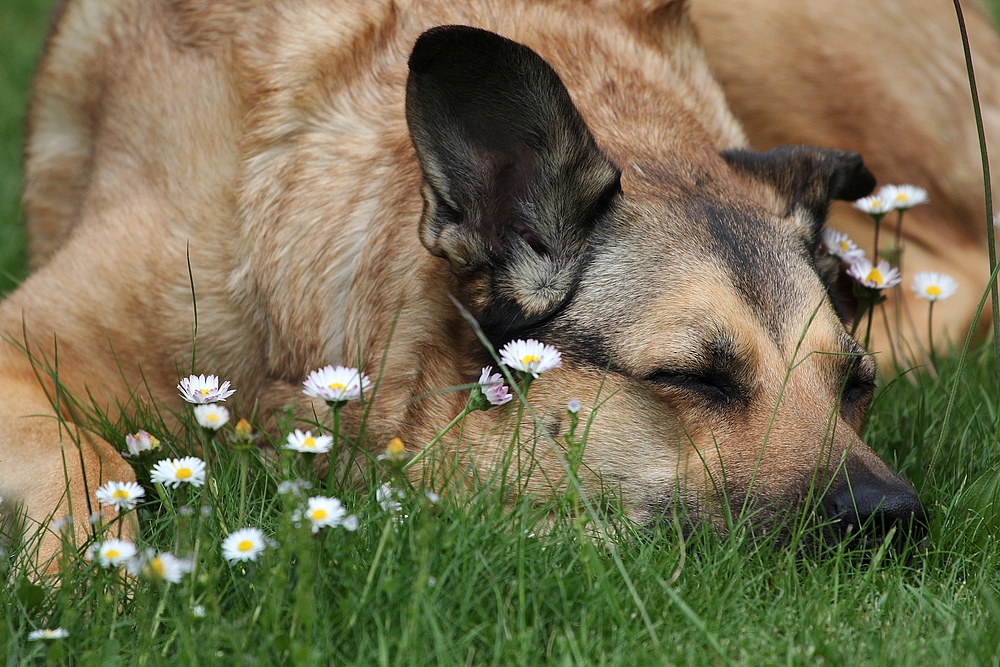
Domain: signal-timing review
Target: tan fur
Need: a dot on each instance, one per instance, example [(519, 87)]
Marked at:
[(263, 145)]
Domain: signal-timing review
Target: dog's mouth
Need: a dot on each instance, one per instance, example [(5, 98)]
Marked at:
[(847, 521), (899, 523)]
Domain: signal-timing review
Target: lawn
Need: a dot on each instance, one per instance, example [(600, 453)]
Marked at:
[(22, 29), (478, 580)]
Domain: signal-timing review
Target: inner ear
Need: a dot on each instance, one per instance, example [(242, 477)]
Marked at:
[(806, 177), (513, 180)]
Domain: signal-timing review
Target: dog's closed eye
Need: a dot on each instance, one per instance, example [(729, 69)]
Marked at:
[(859, 380), (717, 388), (857, 389)]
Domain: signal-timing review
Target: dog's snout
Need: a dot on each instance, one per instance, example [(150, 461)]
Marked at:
[(864, 502)]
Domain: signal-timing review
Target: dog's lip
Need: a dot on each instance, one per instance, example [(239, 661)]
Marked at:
[(772, 519)]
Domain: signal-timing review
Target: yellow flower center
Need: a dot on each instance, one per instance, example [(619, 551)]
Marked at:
[(183, 473), (318, 514), (875, 277), (211, 418), (120, 493), (111, 553), (933, 290), (243, 428), (336, 386), (204, 392), (309, 442), (245, 545), (844, 247), (156, 565), (529, 359), (902, 197), (395, 447)]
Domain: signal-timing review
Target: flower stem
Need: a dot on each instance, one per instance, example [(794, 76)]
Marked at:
[(207, 452), (868, 327), (878, 221), (930, 335), (422, 453), (898, 250), (376, 561), (334, 455), (896, 359), (244, 467)]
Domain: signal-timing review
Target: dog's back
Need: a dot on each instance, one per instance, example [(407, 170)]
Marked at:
[(199, 131)]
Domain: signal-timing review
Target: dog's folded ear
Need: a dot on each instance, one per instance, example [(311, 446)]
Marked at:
[(806, 177), (513, 181)]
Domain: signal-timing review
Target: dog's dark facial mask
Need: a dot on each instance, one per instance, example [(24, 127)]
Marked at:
[(693, 299)]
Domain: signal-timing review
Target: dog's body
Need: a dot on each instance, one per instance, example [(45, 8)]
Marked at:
[(269, 148)]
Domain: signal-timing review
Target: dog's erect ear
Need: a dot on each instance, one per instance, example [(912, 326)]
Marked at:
[(807, 177), (513, 181)]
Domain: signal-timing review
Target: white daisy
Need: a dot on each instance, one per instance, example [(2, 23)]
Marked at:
[(880, 276), (123, 495), (903, 197), (211, 416), (334, 385), (62, 523), (140, 442), (174, 472), (841, 246), (111, 552), (933, 286), (243, 545), (200, 389), (530, 356), (293, 486), (168, 567), (305, 441), (323, 511), (385, 495), (874, 205), (493, 388), (394, 451), (573, 406), (48, 634)]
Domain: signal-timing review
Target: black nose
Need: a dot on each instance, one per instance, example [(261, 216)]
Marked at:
[(865, 503)]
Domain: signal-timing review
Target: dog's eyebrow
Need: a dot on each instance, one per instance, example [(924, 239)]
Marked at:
[(720, 350), (715, 356), (851, 346), (852, 361), (856, 365)]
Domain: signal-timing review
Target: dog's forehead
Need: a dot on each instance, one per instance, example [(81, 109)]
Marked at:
[(701, 261), (670, 307)]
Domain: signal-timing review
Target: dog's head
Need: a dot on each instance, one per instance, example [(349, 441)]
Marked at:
[(682, 287)]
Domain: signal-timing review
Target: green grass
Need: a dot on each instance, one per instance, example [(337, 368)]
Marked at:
[(475, 580), (22, 28)]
